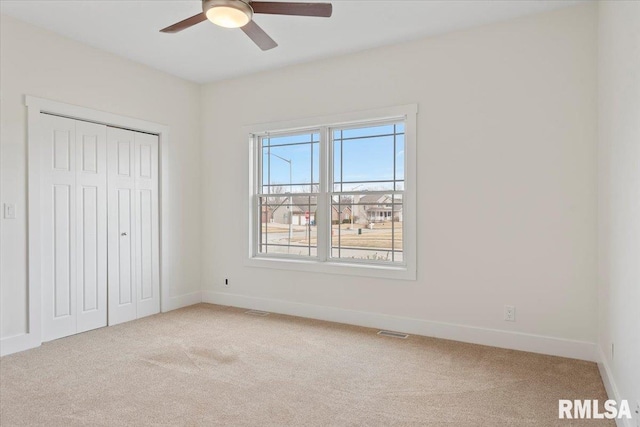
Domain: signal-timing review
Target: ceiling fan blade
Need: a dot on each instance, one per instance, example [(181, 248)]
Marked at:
[(323, 10), (258, 36), (186, 23)]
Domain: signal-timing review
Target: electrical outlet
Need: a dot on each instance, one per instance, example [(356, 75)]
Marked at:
[(509, 313), (226, 282)]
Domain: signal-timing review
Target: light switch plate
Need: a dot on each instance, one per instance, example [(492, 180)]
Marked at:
[(9, 211)]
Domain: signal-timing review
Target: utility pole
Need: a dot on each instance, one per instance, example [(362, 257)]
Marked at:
[(290, 161)]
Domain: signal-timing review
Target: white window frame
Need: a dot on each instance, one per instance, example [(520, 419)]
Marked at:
[(323, 263)]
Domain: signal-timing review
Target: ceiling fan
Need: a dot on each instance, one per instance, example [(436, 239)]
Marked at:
[(239, 14)]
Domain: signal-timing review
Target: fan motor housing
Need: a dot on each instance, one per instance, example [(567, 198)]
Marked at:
[(234, 4)]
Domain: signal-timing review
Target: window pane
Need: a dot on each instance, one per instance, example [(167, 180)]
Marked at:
[(367, 227), (288, 225), (400, 163), (290, 164), (337, 163), (368, 158), (397, 231), (368, 131), (315, 170), (299, 138)]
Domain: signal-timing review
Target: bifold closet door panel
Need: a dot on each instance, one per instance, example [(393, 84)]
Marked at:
[(121, 225), (133, 230), (91, 196), (147, 252), (58, 220), (74, 225)]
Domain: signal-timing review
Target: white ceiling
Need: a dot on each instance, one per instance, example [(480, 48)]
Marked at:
[(206, 53)]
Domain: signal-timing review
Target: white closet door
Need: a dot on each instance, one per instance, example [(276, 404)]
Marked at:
[(91, 190), (74, 224), (134, 279), (58, 227), (121, 234), (147, 252)]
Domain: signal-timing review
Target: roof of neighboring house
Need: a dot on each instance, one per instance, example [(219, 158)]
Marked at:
[(378, 199), (374, 198), (298, 203), (302, 204)]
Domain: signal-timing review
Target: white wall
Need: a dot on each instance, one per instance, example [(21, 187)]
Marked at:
[(506, 180), (619, 194), (40, 63)]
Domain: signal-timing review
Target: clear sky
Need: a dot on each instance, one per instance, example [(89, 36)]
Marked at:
[(369, 158)]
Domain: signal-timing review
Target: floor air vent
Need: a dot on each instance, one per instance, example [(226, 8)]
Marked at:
[(257, 313), (393, 334)]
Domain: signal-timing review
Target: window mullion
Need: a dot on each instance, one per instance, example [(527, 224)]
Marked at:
[(256, 182), (323, 224)]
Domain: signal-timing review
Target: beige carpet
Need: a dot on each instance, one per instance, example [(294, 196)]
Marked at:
[(210, 365)]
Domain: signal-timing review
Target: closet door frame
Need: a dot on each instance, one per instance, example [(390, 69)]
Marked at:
[(36, 106)]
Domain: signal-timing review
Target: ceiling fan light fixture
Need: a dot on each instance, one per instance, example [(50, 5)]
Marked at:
[(228, 13)]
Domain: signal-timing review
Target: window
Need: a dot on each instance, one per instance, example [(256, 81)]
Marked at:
[(288, 201), (336, 195), (367, 190)]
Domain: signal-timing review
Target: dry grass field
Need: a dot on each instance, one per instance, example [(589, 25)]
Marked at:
[(380, 237), (346, 235)]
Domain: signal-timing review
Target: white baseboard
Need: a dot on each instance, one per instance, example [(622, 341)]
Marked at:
[(10, 345), (610, 385), (183, 301), (607, 377), (470, 334)]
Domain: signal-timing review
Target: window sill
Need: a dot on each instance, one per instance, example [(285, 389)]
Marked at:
[(328, 267)]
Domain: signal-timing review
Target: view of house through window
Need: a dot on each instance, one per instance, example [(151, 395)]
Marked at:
[(366, 201), (289, 199), (363, 195)]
